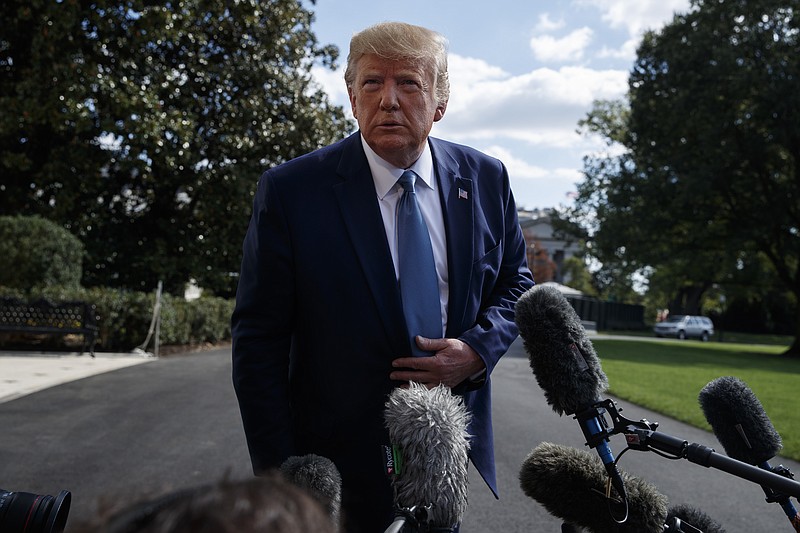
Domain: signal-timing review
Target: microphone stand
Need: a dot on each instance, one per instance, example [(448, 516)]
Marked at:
[(676, 525), (414, 520), (408, 516), (642, 436), (781, 498), (595, 428), (673, 525)]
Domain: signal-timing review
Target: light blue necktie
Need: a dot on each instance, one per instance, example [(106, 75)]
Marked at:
[(419, 286)]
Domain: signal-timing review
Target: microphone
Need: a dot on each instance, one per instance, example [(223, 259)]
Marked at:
[(319, 477), (566, 366), (561, 357), (746, 433), (571, 485), (687, 519), (429, 429), (739, 421)]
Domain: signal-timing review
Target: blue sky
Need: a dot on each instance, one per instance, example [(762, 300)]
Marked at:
[(523, 73)]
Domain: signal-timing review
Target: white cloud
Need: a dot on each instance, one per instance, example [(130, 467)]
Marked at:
[(541, 107), (571, 47), (546, 25), (469, 71), (332, 82), (517, 167), (536, 186), (637, 16), (627, 52), (521, 169)]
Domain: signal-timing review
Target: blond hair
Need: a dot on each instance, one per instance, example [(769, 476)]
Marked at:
[(401, 41)]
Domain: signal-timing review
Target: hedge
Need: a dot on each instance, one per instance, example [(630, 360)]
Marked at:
[(124, 317), (36, 252)]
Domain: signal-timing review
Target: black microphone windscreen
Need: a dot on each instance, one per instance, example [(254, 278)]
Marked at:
[(733, 410), (561, 356), (319, 477), (429, 426), (694, 517), (571, 484)]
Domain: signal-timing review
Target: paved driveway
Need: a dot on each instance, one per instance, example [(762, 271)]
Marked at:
[(172, 422)]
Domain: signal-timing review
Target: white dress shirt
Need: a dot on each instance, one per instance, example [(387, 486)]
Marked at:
[(388, 191)]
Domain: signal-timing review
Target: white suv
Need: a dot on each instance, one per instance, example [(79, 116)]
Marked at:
[(685, 326)]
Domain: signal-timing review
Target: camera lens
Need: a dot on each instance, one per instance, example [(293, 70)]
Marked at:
[(25, 512)]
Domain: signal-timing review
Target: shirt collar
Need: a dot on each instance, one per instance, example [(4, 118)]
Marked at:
[(386, 175)]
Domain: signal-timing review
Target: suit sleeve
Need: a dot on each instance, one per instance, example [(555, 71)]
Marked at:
[(261, 327), (494, 328)]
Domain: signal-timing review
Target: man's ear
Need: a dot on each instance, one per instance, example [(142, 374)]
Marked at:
[(440, 109), (351, 95)]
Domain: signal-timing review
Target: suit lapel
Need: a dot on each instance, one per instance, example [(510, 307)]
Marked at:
[(355, 194), (458, 205)]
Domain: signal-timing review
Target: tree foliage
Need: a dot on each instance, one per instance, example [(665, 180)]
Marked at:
[(577, 275), (708, 181), (143, 126)]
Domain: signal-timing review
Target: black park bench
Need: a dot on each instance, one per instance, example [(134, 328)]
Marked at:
[(45, 317)]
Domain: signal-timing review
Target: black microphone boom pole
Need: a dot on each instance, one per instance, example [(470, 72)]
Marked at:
[(642, 436)]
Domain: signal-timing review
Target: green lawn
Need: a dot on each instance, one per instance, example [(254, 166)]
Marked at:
[(668, 376)]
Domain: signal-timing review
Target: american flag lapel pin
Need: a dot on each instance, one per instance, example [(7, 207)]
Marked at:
[(462, 194)]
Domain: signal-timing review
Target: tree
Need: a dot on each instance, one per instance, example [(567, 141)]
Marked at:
[(578, 276), (153, 123), (709, 179), (540, 263)]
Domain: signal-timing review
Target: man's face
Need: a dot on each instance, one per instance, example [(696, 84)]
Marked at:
[(395, 105)]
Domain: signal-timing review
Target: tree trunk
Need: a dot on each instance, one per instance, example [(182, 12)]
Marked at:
[(694, 295), (687, 301), (794, 349)]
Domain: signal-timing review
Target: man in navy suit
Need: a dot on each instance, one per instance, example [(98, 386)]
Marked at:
[(319, 335)]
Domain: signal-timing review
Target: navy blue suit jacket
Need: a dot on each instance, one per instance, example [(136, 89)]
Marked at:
[(318, 318)]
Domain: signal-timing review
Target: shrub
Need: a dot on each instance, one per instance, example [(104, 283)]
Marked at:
[(35, 252), (124, 317)]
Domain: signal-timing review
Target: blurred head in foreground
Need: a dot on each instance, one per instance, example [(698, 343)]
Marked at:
[(268, 504)]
